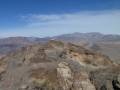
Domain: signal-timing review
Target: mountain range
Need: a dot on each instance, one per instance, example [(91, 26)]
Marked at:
[(107, 44)]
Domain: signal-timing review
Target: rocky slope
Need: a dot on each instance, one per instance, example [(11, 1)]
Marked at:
[(11, 44), (58, 66), (106, 44), (110, 49)]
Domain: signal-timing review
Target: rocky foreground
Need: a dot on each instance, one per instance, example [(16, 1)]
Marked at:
[(58, 66)]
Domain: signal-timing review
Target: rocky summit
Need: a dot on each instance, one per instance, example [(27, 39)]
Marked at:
[(58, 66)]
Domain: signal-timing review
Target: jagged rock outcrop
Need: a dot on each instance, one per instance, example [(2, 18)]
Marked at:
[(58, 66), (65, 76)]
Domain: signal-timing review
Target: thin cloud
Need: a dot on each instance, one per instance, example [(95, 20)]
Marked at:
[(80, 18), (55, 24)]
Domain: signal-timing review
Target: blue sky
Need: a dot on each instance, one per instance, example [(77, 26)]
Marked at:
[(41, 18)]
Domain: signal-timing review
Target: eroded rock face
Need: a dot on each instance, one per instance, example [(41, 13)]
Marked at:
[(58, 66), (65, 76), (82, 82), (69, 81)]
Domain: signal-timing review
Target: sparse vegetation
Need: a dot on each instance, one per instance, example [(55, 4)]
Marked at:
[(42, 68)]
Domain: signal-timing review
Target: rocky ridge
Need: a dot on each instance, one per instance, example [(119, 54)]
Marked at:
[(58, 66)]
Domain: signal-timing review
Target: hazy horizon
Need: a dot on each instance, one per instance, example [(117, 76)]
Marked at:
[(58, 35)]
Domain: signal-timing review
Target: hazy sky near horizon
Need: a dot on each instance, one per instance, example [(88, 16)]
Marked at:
[(41, 18)]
